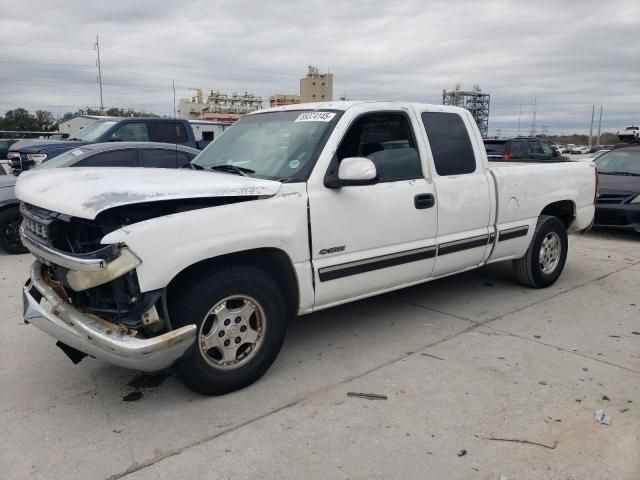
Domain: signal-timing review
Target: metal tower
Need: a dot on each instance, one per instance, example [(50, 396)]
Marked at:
[(475, 101)]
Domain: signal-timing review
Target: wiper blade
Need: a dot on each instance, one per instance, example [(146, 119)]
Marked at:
[(231, 169)]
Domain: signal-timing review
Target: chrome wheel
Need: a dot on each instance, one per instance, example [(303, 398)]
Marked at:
[(232, 332), (550, 251)]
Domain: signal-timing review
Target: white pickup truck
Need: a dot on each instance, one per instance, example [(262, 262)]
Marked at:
[(292, 210)]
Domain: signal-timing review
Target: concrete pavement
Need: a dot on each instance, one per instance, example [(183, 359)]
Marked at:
[(462, 360)]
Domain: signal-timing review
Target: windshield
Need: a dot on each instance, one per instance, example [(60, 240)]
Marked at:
[(619, 161), (92, 132), (64, 159), (277, 145)]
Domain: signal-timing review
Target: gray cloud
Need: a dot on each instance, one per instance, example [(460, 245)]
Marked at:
[(567, 55)]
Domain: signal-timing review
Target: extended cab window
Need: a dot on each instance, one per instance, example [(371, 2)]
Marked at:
[(112, 158), (132, 132), (450, 144), (387, 140), (167, 132)]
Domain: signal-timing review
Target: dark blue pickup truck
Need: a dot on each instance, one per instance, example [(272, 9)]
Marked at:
[(26, 154)]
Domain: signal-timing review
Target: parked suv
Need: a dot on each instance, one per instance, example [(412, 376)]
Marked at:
[(522, 149)]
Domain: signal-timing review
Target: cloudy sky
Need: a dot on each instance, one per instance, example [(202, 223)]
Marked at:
[(567, 55)]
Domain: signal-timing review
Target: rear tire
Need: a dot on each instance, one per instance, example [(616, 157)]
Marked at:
[(545, 258), (10, 220), (241, 319)]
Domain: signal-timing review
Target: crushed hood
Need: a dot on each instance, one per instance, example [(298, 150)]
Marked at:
[(85, 192)]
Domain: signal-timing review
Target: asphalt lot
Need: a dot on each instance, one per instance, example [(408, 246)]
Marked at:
[(464, 361)]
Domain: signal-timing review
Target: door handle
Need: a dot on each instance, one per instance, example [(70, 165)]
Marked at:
[(424, 200)]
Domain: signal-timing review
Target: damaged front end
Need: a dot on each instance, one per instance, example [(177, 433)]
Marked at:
[(95, 303)]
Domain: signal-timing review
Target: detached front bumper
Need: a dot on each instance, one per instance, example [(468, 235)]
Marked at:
[(97, 337)]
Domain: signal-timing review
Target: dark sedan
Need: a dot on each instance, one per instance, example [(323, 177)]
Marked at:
[(125, 154), (618, 204), (120, 154)]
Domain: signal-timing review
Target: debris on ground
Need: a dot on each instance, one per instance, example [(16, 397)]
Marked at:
[(368, 396), (605, 398), (623, 410), (132, 397), (635, 333), (503, 477), (462, 452), (536, 336), (148, 380), (517, 440), (542, 383), (432, 356), (602, 417)]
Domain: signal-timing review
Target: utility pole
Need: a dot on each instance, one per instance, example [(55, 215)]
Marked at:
[(97, 45), (174, 98), (533, 124), (599, 125), (593, 111), (519, 115)]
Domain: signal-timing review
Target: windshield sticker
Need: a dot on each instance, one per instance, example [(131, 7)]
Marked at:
[(294, 163), (315, 117), (77, 152)]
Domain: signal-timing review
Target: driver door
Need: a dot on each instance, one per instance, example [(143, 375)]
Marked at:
[(370, 238)]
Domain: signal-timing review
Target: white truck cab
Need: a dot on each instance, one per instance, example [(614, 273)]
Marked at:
[(292, 210)]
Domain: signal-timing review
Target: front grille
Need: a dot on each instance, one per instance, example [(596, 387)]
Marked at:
[(38, 229), (37, 223)]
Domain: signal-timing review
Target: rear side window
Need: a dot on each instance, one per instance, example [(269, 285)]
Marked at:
[(159, 158), (450, 144), (167, 132), (132, 132), (519, 148), (113, 158)]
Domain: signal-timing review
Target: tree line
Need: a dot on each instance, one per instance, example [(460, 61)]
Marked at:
[(20, 119)]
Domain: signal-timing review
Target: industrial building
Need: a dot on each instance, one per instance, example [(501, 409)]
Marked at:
[(218, 107), (280, 100), (314, 87), (77, 123), (473, 100)]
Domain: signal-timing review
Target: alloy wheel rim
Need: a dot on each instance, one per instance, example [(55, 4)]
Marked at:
[(232, 332), (550, 250)]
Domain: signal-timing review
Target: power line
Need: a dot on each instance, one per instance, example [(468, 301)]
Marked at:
[(44, 46), (49, 64)]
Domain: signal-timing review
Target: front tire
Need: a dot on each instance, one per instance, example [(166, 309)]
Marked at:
[(10, 220), (546, 256), (241, 319)]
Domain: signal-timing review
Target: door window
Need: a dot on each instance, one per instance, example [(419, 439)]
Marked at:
[(132, 132), (546, 149), (534, 147), (167, 132), (450, 144), (112, 158), (388, 141)]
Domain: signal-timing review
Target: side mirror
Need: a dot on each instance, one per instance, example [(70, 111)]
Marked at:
[(353, 171)]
